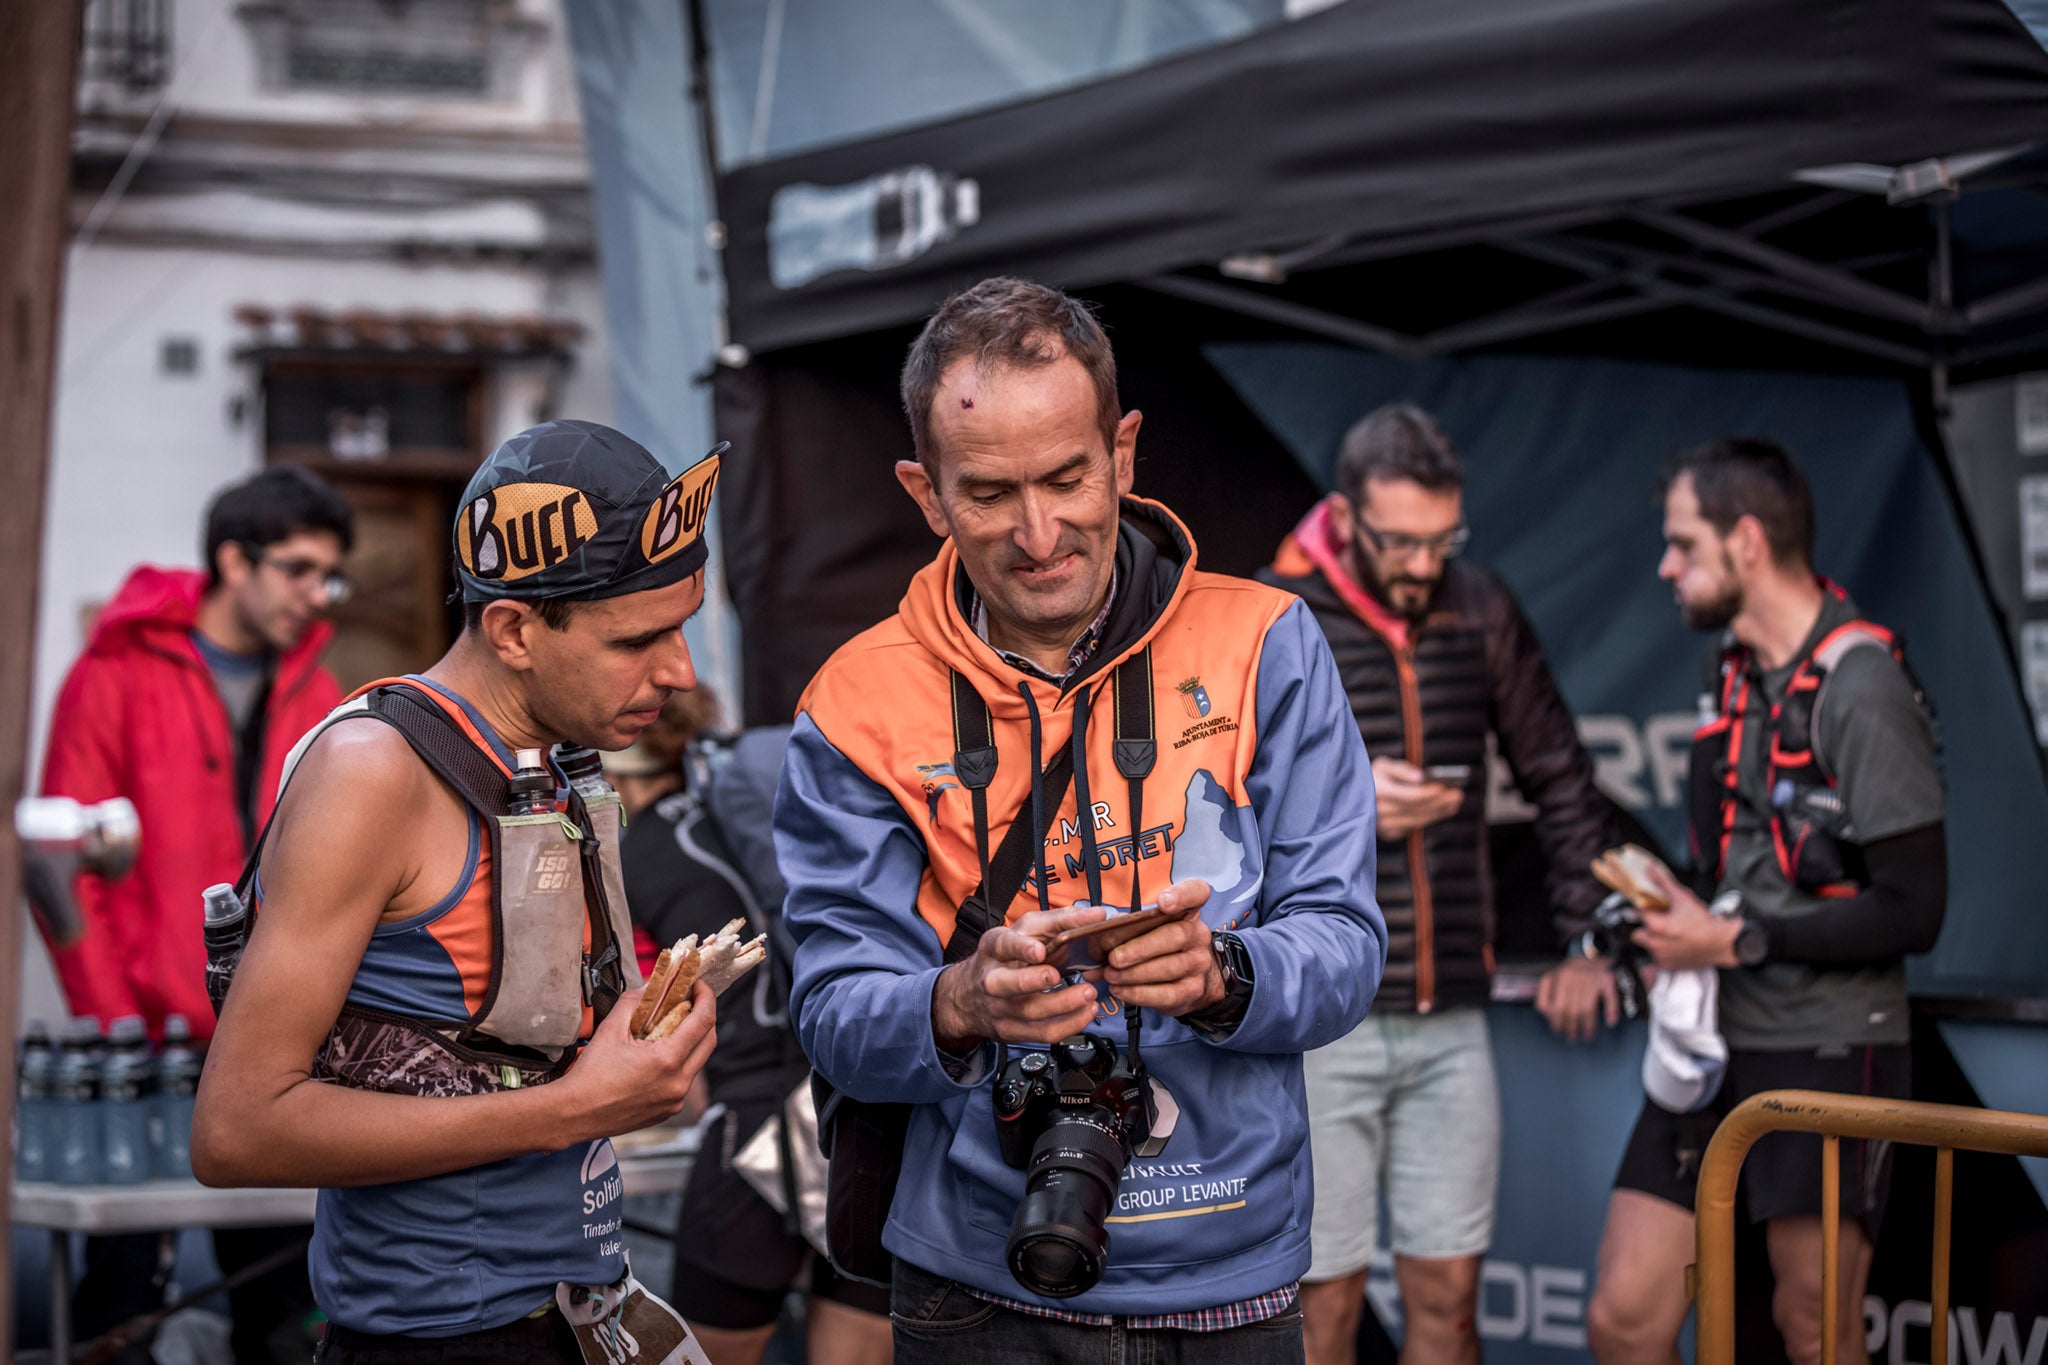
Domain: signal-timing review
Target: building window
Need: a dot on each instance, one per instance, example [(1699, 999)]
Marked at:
[(464, 49), (128, 42), (418, 414)]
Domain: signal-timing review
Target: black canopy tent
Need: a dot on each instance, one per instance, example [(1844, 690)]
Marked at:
[(1837, 185), (1786, 194), (1383, 128)]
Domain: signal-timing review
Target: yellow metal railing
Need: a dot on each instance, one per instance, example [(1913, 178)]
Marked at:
[(1944, 1127)]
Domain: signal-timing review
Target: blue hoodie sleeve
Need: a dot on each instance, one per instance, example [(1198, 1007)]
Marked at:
[(1320, 944), (865, 960)]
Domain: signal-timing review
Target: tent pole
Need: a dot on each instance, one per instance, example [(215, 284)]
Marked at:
[(1716, 301), (1516, 323), (1722, 274), (2020, 298), (1296, 315), (1942, 285), (1870, 297)]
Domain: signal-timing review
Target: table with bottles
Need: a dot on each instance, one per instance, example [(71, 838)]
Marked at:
[(102, 1145)]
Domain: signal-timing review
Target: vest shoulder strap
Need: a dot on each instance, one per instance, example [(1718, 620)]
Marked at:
[(443, 747), (1836, 646), (434, 737)]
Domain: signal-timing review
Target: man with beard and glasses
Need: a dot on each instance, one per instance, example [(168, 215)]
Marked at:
[(1435, 656), (1816, 816)]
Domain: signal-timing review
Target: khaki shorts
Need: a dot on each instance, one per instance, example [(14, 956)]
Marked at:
[(1407, 1102)]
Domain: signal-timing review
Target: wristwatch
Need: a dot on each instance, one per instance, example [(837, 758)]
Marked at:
[(1751, 944), (1234, 961)]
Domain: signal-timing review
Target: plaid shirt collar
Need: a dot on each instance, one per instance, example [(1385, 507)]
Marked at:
[(1082, 651)]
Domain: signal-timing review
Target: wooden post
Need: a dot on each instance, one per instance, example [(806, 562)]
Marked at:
[(38, 71)]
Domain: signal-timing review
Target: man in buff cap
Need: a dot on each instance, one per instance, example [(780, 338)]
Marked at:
[(386, 1038)]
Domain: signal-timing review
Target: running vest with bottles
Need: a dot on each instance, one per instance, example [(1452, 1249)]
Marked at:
[(1811, 833), (490, 988)]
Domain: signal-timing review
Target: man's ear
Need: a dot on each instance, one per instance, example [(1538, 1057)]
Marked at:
[(1126, 452), (506, 626), (1341, 517), (1748, 543), (232, 563), (917, 481)]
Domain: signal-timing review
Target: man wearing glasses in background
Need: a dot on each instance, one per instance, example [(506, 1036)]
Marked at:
[(1435, 655), (192, 688)]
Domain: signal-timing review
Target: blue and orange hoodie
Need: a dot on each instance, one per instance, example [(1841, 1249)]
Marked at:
[(1261, 788)]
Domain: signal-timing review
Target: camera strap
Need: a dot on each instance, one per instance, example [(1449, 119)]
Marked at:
[(974, 763), (1002, 877)]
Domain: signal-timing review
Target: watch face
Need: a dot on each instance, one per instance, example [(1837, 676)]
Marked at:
[(1749, 944)]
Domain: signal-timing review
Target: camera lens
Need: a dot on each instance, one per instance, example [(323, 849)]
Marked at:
[(1057, 1240)]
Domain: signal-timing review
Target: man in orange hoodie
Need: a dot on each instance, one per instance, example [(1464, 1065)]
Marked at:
[(191, 690)]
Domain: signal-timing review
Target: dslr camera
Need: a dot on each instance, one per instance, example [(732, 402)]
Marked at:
[(1070, 1118)]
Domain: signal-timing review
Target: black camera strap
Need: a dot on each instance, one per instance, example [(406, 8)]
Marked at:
[(974, 763), (1002, 877)]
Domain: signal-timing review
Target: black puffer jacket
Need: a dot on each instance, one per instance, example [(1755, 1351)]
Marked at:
[(1473, 665)]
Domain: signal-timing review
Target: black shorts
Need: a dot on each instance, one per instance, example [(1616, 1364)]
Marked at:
[(543, 1340), (735, 1261), (1781, 1176)]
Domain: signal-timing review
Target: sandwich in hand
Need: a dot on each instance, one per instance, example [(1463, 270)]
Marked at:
[(1627, 870), (718, 961)]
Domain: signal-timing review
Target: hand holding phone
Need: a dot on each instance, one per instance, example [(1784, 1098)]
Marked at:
[(1450, 774), (1088, 946)]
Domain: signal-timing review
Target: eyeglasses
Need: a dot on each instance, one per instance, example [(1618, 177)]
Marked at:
[(1449, 545), (304, 572)]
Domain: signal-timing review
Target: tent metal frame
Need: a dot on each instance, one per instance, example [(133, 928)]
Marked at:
[(1674, 257)]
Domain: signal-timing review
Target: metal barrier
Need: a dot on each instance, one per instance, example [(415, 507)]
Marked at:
[(1944, 1127)]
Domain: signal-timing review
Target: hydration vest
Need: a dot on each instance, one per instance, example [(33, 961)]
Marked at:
[(1811, 832), (560, 938)]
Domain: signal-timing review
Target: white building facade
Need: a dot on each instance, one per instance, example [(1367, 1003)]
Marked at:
[(352, 234)]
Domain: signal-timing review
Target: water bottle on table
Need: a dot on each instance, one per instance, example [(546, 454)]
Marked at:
[(124, 1103), (74, 1122), (36, 1086), (177, 1081)]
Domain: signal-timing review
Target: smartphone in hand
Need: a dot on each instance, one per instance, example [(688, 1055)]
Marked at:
[(1450, 774), (1089, 945)]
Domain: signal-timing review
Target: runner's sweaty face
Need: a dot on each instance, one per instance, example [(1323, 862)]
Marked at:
[(1028, 486), (602, 678), (1696, 562)]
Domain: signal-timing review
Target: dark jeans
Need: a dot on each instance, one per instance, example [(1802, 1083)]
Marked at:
[(939, 1323)]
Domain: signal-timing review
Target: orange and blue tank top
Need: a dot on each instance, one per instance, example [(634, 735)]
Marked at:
[(475, 1248)]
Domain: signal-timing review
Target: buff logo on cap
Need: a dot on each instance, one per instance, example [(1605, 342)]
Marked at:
[(518, 529), (678, 515)]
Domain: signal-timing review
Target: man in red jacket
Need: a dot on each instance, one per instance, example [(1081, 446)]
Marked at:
[(191, 690)]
